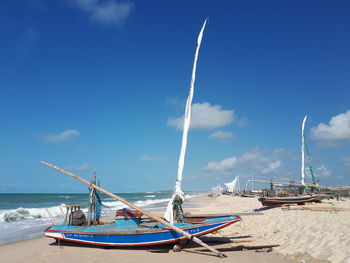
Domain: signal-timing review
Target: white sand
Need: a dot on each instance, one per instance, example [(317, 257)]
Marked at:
[(323, 235)]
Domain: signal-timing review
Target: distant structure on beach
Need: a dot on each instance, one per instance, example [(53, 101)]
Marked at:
[(233, 187), (216, 191)]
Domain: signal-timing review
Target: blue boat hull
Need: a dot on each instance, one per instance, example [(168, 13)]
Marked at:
[(134, 235)]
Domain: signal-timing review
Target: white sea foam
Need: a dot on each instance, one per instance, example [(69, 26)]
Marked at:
[(25, 229), (109, 208), (19, 214), (23, 223), (151, 202)]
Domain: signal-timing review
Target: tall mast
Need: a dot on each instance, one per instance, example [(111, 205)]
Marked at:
[(302, 152), (187, 119)]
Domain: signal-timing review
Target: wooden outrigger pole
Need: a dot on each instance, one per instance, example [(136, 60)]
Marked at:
[(162, 221)]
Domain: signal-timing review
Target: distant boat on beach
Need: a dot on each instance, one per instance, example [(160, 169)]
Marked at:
[(305, 194)]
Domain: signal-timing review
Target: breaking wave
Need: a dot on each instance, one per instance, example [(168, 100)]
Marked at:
[(14, 215), (109, 207)]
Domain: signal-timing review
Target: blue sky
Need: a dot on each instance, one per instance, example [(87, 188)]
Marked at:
[(92, 85)]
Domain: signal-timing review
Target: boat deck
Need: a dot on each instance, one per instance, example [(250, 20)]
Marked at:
[(131, 226)]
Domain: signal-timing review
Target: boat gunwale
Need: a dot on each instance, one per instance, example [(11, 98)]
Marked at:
[(161, 230)]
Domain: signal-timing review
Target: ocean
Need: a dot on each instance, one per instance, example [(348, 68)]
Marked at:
[(24, 216)]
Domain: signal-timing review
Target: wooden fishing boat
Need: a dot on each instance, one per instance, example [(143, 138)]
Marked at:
[(284, 200), (134, 232), (305, 194), (131, 229)]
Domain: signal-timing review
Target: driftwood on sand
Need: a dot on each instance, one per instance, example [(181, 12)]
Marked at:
[(258, 248)]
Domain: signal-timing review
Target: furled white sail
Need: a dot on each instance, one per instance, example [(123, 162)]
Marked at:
[(302, 152), (187, 119), (233, 187)]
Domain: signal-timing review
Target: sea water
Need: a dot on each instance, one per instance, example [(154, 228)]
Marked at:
[(24, 216)]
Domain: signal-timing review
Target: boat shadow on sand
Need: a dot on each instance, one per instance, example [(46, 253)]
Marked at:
[(155, 248)]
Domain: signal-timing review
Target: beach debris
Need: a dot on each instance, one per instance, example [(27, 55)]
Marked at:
[(225, 240), (265, 249), (177, 248), (276, 231)]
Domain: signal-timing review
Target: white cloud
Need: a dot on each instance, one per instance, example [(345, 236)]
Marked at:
[(205, 116), (110, 12), (222, 135), (267, 161), (273, 167), (60, 137), (224, 165), (337, 129), (253, 158), (148, 157), (322, 171), (346, 160)]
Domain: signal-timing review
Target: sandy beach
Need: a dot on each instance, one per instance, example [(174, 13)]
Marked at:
[(323, 235), (302, 236)]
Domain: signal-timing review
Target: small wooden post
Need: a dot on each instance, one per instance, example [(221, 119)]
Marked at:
[(52, 219)]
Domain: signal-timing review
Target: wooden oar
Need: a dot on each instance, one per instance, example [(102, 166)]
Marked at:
[(179, 230)]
